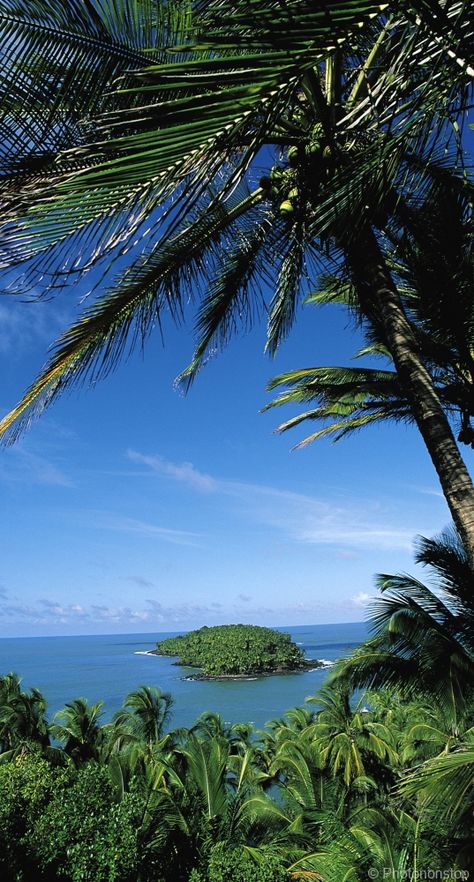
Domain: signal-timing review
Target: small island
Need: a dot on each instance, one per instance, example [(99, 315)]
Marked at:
[(236, 651)]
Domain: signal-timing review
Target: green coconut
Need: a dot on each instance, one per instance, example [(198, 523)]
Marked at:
[(293, 155), (286, 207), (276, 173), (313, 148)]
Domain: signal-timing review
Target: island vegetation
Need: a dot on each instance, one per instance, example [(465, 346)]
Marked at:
[(236, 650)]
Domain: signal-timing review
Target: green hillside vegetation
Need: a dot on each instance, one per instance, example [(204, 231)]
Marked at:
[(232, 650)]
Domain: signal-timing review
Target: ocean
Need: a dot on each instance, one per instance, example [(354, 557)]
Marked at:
[(108, 667)]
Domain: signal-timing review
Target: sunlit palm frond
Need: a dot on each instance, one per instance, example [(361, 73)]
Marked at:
[(182, 112), (349, 397), (446, 782)]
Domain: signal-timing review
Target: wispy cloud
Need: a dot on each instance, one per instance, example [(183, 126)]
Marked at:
[(52, 612), (313, 521), (123, 614), (21, 466), (46, 611), (110, 521), (140, 581), (161, 615), (25, 324), (356, 523), (429, 491), (183, 472)]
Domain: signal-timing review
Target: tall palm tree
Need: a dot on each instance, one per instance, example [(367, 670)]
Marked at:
[(355, 135), (423, 636)]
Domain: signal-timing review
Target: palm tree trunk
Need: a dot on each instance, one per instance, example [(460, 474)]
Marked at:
[(380, 302)]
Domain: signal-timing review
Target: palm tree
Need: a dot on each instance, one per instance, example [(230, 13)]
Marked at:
[(355, 135), (23, 719), (446, 781), (298, 767), (145, 713), (225, 791), (423, 636), (434, 278), (371, 843), (441, 790), (79, 729), (352, 745)]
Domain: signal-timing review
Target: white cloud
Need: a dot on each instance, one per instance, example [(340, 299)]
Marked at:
[(51, 612), (361, 599), (183, 472), (313, 521)]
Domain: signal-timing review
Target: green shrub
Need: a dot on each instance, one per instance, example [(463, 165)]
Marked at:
[(27, 785), (237, 865), (85, 835)]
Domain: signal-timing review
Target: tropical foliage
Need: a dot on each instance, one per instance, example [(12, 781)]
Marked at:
[(235, 649), (179, 98), (207, 807)]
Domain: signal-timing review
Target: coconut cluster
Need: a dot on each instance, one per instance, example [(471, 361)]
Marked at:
[(307, 165)]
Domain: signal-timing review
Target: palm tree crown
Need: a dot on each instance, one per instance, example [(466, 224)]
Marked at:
[(423, 636)]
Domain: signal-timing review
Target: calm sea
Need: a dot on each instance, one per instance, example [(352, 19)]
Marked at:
[(107, 667)]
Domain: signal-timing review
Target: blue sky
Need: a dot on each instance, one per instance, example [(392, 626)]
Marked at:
[(131, 507)]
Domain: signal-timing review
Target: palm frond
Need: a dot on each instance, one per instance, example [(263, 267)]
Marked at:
[(96, 342), (349, 397), (233, 296), (197, 106), (446, 782)]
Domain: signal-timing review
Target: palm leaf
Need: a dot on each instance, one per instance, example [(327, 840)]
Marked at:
[(95, 343), (446, 782)]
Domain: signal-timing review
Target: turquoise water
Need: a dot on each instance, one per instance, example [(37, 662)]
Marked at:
[(107, 667)]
